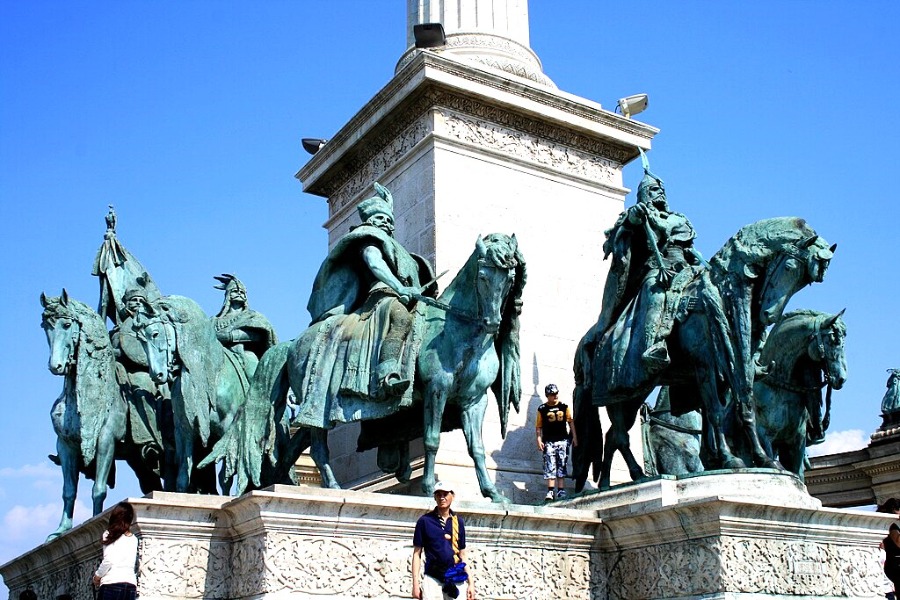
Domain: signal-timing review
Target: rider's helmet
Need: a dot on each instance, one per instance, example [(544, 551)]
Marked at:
[(382, 203), (651, 190), (551, 389)]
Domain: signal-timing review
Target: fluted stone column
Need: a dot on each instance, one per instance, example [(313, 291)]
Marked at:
[(492, 33)]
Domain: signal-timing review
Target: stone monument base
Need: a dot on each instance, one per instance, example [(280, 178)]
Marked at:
[(753, 534)]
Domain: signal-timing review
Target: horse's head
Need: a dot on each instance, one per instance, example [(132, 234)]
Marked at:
[(157, 336), (498, 260), (826, 346), (793, 265), (63, 328)]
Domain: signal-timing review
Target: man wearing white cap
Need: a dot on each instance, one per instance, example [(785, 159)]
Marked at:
[(441, 534)]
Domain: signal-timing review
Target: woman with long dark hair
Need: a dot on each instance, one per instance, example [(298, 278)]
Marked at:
[(891, 547), (116, 575)]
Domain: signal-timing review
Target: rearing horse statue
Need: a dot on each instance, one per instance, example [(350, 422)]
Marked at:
[(469, 343)]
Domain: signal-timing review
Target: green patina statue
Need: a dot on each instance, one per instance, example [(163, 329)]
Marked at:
[(126, 289), (376, 330), (89, 416), (245, 333), (669, 318), (805, 354), (183, 374), (890, 404), (208, 387), (650, 244), (361, 344)]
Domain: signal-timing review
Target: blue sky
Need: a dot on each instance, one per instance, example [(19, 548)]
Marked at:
[(188, 118)]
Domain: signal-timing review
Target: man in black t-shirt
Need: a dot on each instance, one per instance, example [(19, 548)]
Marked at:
[(553, 428)]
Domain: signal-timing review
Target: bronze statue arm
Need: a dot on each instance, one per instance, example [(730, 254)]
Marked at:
[(375, 261), (238, 336)]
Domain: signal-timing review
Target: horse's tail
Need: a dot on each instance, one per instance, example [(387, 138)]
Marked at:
[(588, 454), (257, 426), (589, 451), (508, 386)]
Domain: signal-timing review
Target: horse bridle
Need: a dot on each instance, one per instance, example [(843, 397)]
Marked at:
[(817, 337), (76, 339), (465, 315)]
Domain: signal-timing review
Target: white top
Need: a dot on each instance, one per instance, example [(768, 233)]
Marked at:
[(118, 560)]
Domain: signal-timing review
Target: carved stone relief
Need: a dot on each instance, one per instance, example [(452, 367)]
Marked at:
[(369, 161), (73, 579), (528, 147), (184, 569), (358, 567), (533, 573), (375, 166), (801, 568), (752, 566), (665, 571)]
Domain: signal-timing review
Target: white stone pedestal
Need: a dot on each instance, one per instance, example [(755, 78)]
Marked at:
[(748, 535)]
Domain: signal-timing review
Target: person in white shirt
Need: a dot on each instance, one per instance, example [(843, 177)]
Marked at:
[(116, 576)]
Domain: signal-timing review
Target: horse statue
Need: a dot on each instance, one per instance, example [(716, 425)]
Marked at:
[(468, 343), (806, 353), (719, 325), (207, 389), (89, 416)]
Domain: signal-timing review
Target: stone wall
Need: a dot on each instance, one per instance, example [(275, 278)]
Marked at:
[(750, 535)]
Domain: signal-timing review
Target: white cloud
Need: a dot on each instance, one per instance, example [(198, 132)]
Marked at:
[(26, 527), (20, 521), (42, 470), (840, 441)]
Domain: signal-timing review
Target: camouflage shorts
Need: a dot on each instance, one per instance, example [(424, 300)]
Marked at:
[(556, 454)]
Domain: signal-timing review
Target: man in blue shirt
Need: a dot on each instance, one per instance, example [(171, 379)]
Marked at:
[(441, 534)]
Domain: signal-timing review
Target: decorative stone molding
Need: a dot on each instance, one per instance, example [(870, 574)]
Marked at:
[(182, 568), (804, 568), (492, 51), (311, 543), (859, 477), (527, 147), (383, 153), (428, 78), (480, 124)]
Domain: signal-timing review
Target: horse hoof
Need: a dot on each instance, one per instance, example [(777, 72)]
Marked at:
[(733, 463), (497, 497), (768, 463), (55, 535), (404, 475)]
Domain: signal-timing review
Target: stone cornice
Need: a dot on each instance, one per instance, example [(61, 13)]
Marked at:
[(430, 80), (858, 477)]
